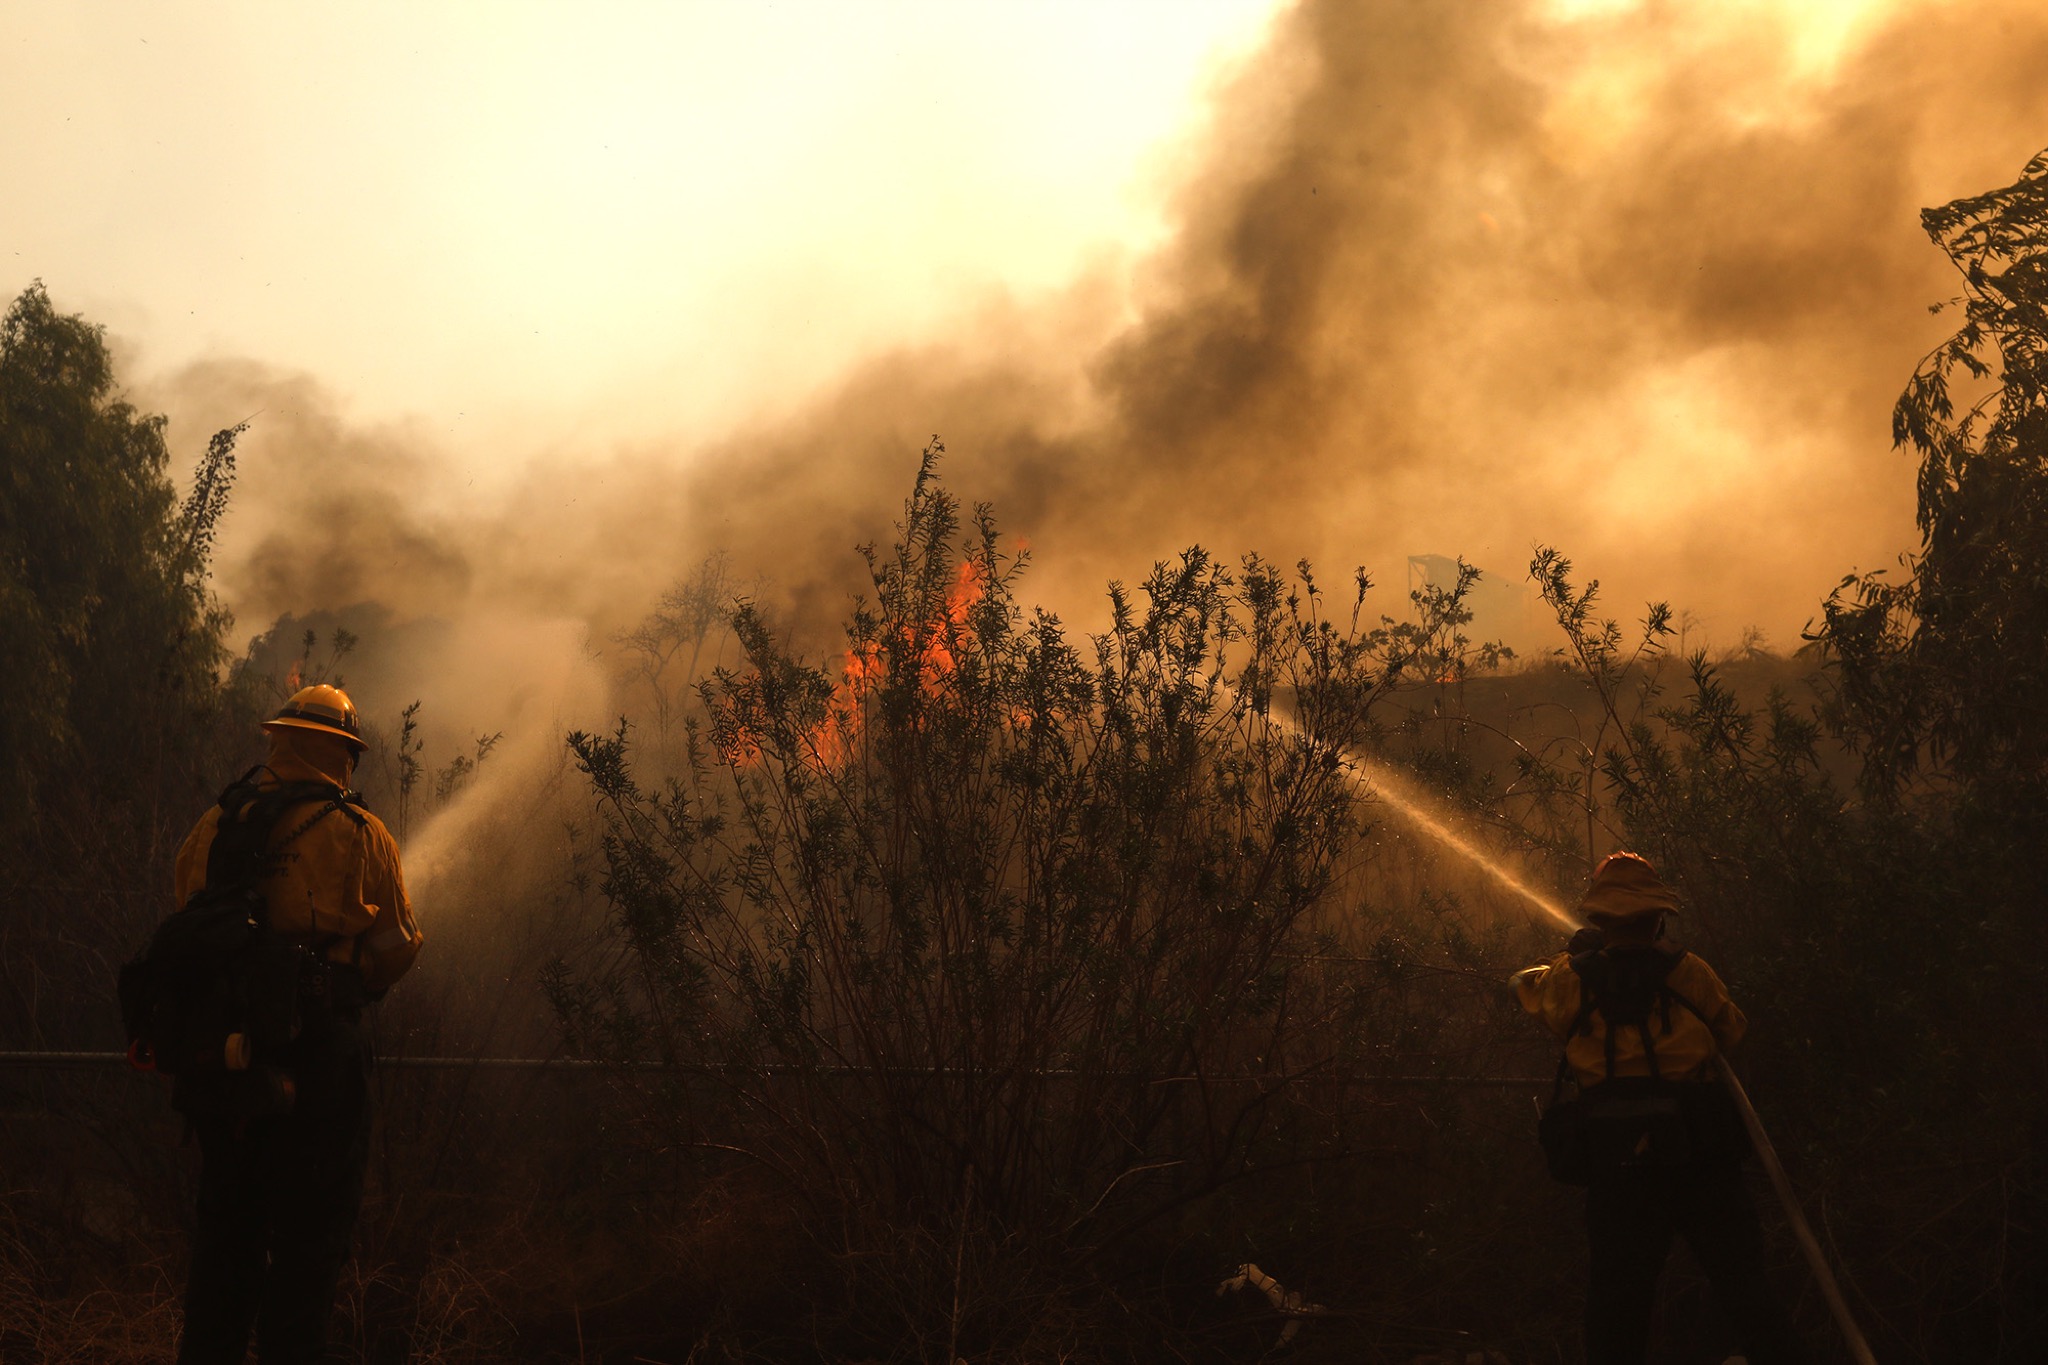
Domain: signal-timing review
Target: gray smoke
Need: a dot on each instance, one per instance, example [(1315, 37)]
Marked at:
[(1449, 278)]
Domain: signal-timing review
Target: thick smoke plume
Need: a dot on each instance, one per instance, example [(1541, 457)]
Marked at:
[(1450, 278)]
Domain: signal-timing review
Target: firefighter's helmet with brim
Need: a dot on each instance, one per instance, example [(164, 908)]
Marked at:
[(322, 707), (1626, 889)]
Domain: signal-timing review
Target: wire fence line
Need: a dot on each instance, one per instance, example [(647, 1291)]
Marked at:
[(89, 1060)]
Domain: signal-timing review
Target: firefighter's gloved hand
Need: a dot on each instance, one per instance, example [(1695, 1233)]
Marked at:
[(1587, 940)]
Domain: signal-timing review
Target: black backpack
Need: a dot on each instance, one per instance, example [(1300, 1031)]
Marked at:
[(213, 1000), (1634, 1122)]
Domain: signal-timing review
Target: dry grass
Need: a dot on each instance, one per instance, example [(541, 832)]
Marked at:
[(450, 1313), (40, 1324)]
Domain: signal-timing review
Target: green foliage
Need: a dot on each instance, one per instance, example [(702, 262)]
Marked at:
[(1952, 662), (105, 619), (112, 697)]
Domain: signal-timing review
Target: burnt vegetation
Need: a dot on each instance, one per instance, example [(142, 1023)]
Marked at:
[(979, 989)]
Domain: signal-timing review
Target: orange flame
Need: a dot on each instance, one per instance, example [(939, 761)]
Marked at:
[(969, 587), (937, 663), (833, 739)]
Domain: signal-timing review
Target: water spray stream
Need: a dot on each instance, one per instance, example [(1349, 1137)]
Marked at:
[(1412, 804)]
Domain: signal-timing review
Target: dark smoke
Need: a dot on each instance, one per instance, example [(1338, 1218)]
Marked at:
[(1450, 279)]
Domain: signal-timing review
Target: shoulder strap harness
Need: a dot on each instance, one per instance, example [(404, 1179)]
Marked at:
[(1603, 984), (241, 854)]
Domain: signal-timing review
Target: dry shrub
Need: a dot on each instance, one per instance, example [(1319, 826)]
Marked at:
[(42, 1322), (990, 949)]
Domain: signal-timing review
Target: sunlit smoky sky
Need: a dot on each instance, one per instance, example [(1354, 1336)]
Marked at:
[(532, 307)]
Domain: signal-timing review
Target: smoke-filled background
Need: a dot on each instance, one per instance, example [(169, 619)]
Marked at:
[(1349, 281), (1014, 980)]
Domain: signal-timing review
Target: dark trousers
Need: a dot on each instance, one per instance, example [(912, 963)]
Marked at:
[(278, 1197), (1631, 1217)]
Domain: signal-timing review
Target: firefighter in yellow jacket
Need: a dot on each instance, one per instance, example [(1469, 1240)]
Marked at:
[(1659, 1145), (279, 1192)]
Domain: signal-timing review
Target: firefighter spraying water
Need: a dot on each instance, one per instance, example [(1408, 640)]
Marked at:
[(1656, 1144), (1631, 1220)]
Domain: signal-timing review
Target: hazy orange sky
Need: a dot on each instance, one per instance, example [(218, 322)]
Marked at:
[(520, 224), (535, 305)]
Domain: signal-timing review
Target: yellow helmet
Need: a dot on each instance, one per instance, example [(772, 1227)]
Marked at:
[(1625, 888), (320, 707)]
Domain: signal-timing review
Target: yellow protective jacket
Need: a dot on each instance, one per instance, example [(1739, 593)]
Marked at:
[(339, 881), (1553, 992)]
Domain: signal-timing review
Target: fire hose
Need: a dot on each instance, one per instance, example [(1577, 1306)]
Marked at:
[(1808, 1244)]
